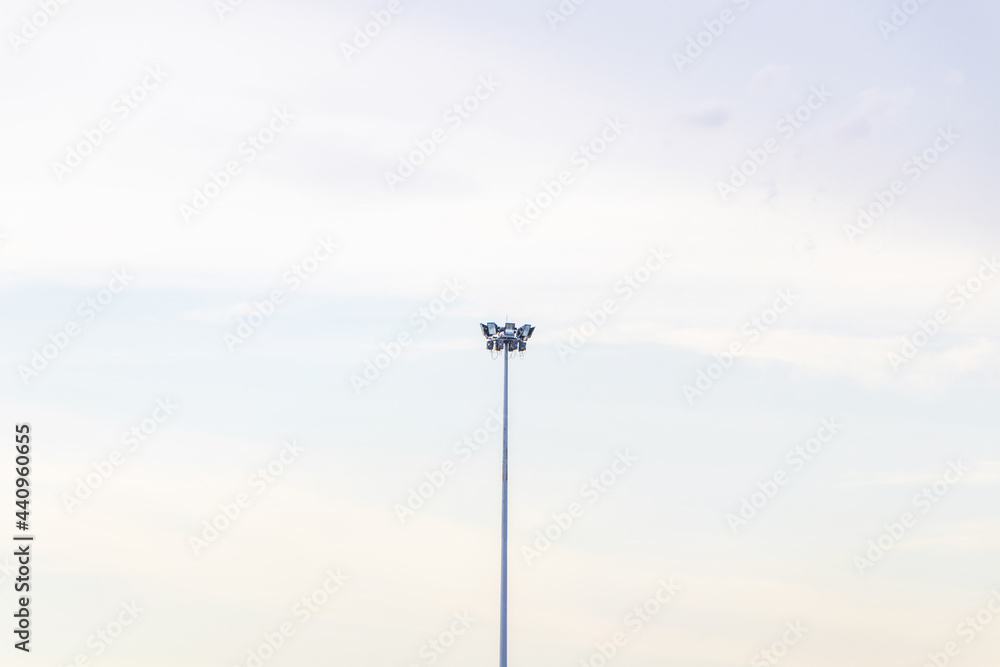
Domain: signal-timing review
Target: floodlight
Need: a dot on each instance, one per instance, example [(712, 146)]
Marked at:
[(506, 339)]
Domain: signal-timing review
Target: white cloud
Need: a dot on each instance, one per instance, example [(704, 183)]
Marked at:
[(872, 108)]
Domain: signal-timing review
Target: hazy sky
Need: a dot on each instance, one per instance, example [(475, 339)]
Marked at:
[(758, 241)]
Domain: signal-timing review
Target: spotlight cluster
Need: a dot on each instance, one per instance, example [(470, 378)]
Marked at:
[(509, 337)]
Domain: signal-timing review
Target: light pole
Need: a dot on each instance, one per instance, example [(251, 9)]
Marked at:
[(506, 340)]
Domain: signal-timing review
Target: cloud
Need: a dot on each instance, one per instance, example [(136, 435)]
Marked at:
[(817, 353), (983, 473), (954, 78), (772, 77), (873, 107), (217, 315), (715, 115)]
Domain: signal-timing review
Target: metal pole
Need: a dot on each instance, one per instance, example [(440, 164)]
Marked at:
[(503, 527)]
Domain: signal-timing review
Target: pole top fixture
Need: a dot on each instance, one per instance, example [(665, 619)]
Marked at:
[(509, 337)]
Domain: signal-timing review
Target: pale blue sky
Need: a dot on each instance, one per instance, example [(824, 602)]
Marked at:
[(655, 186)]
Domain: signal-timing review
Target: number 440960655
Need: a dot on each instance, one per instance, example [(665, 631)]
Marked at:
[(21, 483)]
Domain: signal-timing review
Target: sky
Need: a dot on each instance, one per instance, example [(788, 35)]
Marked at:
[(245, 249)]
